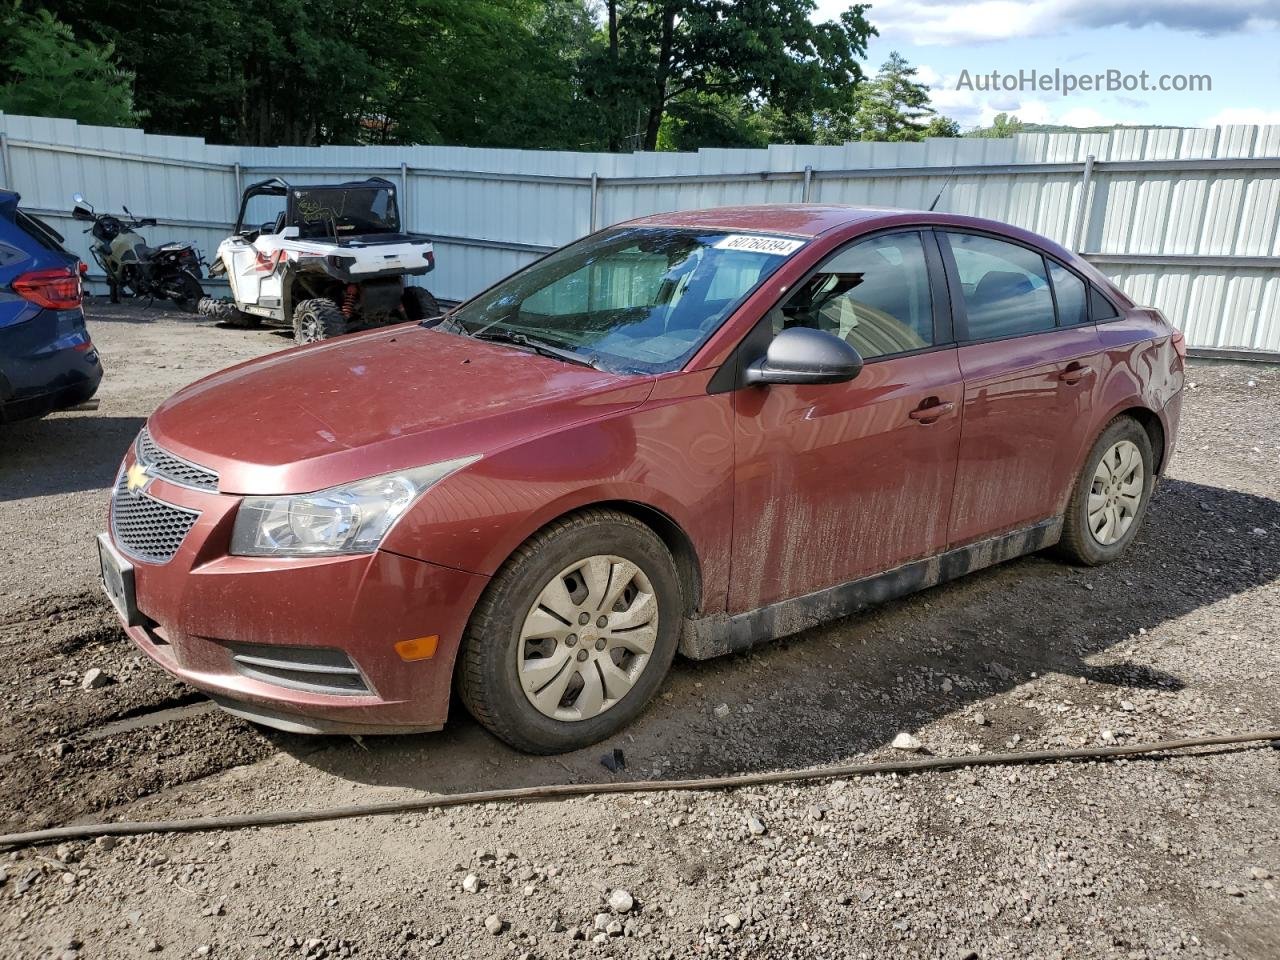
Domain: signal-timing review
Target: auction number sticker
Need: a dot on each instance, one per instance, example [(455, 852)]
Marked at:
[(775, 246)]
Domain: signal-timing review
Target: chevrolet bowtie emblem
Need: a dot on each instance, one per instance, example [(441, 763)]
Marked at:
[(136, 478)]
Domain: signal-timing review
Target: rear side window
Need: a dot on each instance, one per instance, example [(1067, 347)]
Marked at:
[(1004, 286), (874, 295), (1070, 293), (1100, 306)]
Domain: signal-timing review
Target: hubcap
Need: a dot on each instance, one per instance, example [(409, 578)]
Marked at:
[(587, 638), (1116, 493)]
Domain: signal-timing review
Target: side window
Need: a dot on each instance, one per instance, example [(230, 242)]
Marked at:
[(1100, 306), (1005, 289), (263, 212), (1069, 291), (874, 294)]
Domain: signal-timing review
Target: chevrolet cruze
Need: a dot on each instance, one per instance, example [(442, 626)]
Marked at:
[(693, 432)]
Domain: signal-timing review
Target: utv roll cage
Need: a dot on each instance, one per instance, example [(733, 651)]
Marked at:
[(292, 216)]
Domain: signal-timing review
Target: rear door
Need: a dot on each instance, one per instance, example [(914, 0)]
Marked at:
[(837, 481), (1030, 361)]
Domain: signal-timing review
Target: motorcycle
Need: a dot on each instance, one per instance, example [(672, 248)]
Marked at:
[(170, 271)]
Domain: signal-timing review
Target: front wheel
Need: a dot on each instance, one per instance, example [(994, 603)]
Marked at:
[(1111, 495), (574, 635)]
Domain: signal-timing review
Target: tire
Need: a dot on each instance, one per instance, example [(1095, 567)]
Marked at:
[(1118, 518), (315, 320), (488, 678), (419, 304), (115, 290), (187, 291), (224, 311)]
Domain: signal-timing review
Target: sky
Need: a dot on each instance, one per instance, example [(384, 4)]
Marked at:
[(1235, 43)]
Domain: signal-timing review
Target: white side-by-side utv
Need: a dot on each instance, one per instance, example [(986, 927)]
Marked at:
[(331, 259)]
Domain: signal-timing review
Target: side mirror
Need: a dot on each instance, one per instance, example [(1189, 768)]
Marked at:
[(79, 212), (805, 355)]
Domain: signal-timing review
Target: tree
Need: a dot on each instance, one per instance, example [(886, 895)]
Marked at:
[(52, 73), (485, 72), (894, 106), (1003, 125), (658, 52)]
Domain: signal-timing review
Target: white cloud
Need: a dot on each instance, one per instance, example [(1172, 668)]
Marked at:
[(1244, 115), (974, 108), (954, 22)]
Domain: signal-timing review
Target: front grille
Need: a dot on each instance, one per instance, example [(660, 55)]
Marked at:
[(145, 528), (311, 669), (160, 463)]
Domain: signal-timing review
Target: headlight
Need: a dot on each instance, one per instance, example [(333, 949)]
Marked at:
[(349, 519)]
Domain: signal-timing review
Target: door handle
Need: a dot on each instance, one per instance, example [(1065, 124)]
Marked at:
[(928, 412), (1074, 373)]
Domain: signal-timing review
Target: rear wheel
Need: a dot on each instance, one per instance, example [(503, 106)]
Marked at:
[(1111, 495), (574, 635), (186, 291), (419, 304), (318, 319), (224, 311)]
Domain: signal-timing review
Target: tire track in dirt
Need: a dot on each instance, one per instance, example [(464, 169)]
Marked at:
[(55, 764)]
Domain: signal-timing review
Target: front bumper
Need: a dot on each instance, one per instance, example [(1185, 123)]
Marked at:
[(301, 644)]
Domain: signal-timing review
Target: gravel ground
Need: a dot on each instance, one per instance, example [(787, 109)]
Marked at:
[(1140, 858)]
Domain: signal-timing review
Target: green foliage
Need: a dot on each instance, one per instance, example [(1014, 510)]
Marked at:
[(51, 73), (679, 53), (894, 106), (1004, 125), (551, 74)]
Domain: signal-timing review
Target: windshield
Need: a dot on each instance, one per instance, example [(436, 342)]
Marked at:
[(342, 211), (633, 299)]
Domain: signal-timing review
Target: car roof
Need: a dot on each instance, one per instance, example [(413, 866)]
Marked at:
[(814, 219)]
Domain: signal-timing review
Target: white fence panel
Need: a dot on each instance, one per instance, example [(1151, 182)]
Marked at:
[(1185, 220)]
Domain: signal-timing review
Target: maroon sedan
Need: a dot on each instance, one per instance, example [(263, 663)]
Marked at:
[(695, 431)]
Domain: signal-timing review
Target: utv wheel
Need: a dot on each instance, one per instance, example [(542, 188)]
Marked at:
[(1111, 495), (574, 634), (419, 304), (224, 311), (317, 320)]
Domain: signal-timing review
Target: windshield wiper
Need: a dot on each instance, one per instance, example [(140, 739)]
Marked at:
[(537, 346)]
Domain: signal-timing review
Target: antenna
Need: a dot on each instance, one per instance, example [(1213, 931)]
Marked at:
[(945, 183)]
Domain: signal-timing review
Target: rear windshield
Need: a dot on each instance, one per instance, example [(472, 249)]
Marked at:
[(344, 211)]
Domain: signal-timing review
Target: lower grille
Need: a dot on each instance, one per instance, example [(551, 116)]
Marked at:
[(311, 669), (145, 528)]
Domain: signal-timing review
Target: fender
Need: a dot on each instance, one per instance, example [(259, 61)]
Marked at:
[(474, 520)]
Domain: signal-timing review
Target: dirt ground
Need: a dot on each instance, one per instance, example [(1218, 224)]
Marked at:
[(1144, 858)]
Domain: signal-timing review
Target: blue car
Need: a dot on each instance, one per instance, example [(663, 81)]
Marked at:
[(47, 360)]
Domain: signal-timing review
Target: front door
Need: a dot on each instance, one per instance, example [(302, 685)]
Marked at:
[(1030, 372), (838, 481)]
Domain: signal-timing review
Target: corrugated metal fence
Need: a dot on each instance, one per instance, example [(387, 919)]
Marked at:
[(1185, 220)]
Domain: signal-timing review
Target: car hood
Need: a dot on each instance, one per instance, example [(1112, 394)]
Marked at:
[(358, 406)]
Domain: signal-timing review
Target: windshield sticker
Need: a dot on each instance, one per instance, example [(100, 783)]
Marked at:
[(774, 246)]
